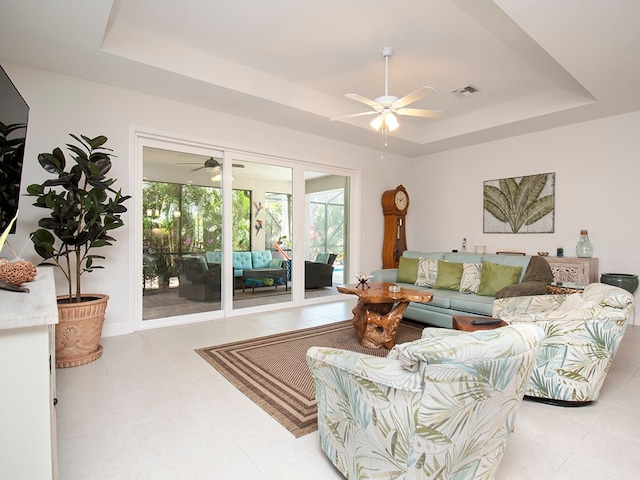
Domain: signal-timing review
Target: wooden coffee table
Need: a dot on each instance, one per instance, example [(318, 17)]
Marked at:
[(378, 312), (465, 323)]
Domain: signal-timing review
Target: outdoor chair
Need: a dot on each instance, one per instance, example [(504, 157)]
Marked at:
[(198, 280), (319, 273)]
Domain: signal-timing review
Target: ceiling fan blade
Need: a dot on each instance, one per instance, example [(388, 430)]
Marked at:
[(237, 165), (365, 100), (413, 97), (196, 169), (418, 112), (355, 115)]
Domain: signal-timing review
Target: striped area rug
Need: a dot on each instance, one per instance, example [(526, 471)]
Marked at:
[(272, 371)]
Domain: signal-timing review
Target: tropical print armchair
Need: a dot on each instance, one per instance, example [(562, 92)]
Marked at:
[(436, 408), (583, 332)]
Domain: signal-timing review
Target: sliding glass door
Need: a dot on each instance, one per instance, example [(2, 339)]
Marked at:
[(181, 231), (223, 231), (262, 259), (327, 201)]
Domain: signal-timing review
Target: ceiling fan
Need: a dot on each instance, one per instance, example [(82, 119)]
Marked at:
[(211, 163), (387, 105)]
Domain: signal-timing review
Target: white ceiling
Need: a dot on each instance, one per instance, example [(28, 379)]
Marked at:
[(538, 64)]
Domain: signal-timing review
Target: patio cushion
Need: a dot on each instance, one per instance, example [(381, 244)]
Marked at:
[(322, 257), (242, 260), (260, 259)]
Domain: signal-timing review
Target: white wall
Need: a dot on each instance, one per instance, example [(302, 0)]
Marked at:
[(61, 105), (596, 165), (597, 170)]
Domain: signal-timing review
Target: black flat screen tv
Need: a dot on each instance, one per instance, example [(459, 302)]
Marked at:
[(14, 114)]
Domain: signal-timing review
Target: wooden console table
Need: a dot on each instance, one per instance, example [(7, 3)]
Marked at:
[(27, 359), (574, 269), (375, 318)]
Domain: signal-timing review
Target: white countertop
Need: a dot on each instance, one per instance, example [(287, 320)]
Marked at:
[(38, 307)]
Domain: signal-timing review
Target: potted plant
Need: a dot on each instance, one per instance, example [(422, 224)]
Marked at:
[(83, 209)]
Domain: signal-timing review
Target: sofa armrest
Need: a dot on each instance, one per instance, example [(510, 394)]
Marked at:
[(432, 332), (379, 371), (512, 306), (387, 275)]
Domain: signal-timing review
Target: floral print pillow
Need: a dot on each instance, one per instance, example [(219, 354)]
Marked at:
[(427, 272), (470, 277)]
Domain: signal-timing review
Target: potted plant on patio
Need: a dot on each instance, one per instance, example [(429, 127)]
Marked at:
[(83, 209)]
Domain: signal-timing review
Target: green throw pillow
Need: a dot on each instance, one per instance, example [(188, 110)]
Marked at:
[(449, 275), (407, 270), (275, 263), (495, 277)]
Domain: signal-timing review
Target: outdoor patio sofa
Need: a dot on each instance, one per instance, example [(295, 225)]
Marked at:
[(254, 269)]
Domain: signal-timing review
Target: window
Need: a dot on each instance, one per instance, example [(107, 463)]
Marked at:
[(202, 205), (326, 226), (181, 219), (278, 219)]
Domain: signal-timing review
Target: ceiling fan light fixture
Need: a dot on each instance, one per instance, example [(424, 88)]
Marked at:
[(391, 121), (377, 122), (388, 120), (386, 104)]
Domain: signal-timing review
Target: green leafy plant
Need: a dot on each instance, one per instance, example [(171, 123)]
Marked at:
[(83, 206), (516, 203), (166, 267), (11, 158)]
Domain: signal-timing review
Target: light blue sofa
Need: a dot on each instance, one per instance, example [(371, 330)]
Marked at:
[(446, 303)]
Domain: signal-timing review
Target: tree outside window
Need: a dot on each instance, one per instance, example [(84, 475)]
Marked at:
[(180, 219), (278, 220), (326, 226)]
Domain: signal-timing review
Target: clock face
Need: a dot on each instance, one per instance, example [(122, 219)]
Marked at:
[(401, 200)]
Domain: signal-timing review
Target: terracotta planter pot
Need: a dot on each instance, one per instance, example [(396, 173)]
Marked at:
[(79, 330)]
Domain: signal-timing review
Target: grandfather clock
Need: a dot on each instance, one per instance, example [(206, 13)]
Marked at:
[(395, 204)]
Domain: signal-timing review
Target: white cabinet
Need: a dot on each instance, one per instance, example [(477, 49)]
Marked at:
[(27, 376), (574, 269)]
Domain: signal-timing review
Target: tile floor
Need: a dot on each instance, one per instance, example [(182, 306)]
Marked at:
[(152, 409)]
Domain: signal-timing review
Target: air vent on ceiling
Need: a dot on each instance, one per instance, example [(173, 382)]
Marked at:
[(466, 91)]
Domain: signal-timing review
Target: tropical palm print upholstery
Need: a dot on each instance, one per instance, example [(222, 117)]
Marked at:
[(436, 408), (583, 332), (470, 281)]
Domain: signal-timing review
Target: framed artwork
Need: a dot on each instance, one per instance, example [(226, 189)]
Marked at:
[(519, 204)]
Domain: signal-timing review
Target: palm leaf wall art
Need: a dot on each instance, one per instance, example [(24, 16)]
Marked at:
[(520, 204)]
